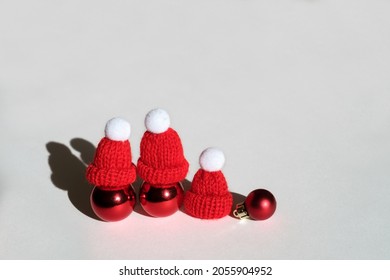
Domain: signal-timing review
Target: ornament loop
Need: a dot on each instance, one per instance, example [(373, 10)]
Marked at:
[(240, 211)]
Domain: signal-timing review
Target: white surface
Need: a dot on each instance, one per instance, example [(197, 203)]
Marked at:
[(296, 93)]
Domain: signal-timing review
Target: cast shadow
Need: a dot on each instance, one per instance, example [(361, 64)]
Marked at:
[(68, 172), (186, 186), (85, 148), (137, 207), (237, 198)]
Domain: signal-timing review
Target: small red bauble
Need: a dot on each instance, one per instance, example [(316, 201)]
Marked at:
[(260, 204), (112, 206), (161, 201)]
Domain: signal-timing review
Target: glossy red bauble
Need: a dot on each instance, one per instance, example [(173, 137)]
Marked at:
[(260, 204), (161, 201), (111, 206)]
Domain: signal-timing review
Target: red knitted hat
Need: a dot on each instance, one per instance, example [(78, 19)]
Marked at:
[(209, 197), (112, 168), (162, 158)]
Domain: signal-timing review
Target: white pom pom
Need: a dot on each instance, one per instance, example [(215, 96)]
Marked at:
[(212, 159), (117, 129), (157, 121)]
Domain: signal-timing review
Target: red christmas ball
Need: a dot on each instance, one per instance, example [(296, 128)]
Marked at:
[(260, 204), (112, 206), (162, 200)]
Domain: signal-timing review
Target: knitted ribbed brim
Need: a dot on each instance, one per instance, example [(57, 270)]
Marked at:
[(207, 207), (208, 197)]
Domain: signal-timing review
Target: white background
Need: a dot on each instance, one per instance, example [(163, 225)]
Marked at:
[(296, 93)]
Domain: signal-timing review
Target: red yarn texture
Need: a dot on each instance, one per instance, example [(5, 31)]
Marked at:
[(209, 197), (112, 168), (162, 158)]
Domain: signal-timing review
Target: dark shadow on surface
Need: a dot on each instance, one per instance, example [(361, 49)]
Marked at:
[(85, 148), (186, 186), (237, 198), (68, 172), (137, 207)]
